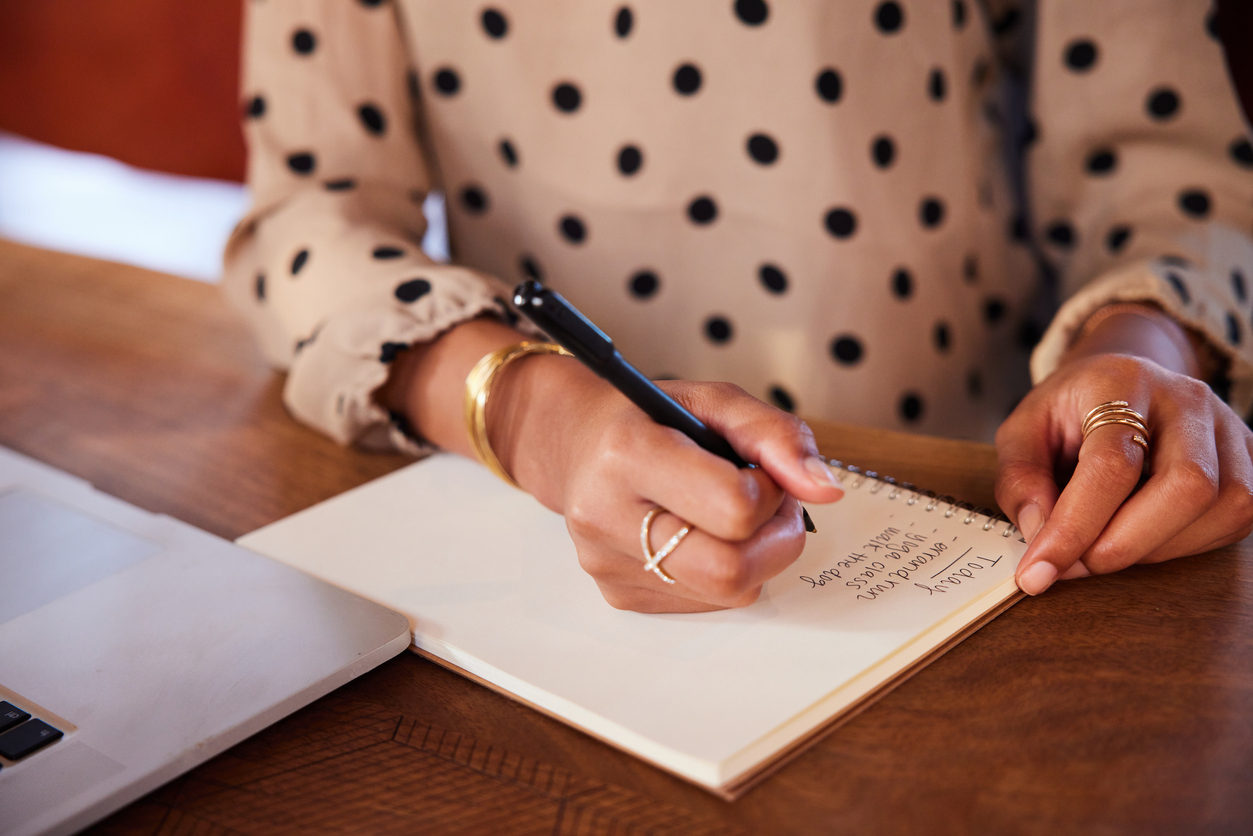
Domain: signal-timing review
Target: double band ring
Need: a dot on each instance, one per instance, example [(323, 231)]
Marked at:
[(1117, 412), (652, 560)]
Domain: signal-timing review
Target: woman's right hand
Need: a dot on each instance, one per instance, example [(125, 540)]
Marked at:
[(584, 450)]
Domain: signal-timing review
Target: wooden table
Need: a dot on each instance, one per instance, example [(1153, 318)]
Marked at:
[(1120, 704)]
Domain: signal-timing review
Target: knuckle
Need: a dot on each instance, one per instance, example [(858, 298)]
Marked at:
[(1192, 484), (727, 577), (1108, 555), (737, 505), (582, 521), (595, 562)]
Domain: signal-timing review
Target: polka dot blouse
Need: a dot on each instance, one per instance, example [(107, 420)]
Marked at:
[(875, 211)]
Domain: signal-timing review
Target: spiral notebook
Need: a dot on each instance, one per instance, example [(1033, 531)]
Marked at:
[(492, 587)]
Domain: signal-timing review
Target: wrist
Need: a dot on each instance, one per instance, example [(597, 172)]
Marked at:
[(1140, 330), (534, 402)]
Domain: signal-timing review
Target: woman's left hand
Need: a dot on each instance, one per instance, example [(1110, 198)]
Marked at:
[(1198, 494)]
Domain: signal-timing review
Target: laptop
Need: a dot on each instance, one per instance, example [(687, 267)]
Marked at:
[(134, 647)]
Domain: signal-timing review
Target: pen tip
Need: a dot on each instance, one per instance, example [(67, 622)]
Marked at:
[(809, 523)]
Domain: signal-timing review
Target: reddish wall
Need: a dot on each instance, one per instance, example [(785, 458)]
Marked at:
[(151, 82)]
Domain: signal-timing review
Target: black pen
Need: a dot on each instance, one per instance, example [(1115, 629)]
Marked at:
[(576, 333)]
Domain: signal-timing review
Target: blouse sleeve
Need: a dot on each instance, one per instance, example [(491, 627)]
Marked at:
[(1139, 178), (327, 265)]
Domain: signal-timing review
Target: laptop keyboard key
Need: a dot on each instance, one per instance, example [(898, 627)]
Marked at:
[(26, 738), (11, 715)]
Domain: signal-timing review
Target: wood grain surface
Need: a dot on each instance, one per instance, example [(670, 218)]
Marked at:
[(1119, 704)]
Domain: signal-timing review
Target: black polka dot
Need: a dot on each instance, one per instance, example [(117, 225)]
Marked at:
[(1018, 229), (566, 97), (254, 108), (629, 160), (1163, 103), (1007, 22), (344, 184), (530, 268), (772, 278), (1177, 283), (970, 269), (412, 290), (372, 118), (474, 200), (1233, 329), (883, 151), (902, 283), (841, 222), (494, 23), (371, 4), (687, 79), (1101, 161), (1174, 260), (302, 162), (447, 82), (1080, 55), (299, 261), (718, 329), (1117, 238), (1242, 152), (508, 153), (936, 85), (1028, 335), (763, 149), (889, 17), (1212, 23), (386, 253), (974, 383), (994, 310), (303, 41), (259, 287), (959, 14), (622, 22), (644, 284), (1238, 285), (941, 337), (702, 210), (390, 351), (573, 229), (752, 12), (781, 398), (830, 85), (931, 212), (911, 407), (415, 87), (1061, 233), (846, 349), (1195, 203)]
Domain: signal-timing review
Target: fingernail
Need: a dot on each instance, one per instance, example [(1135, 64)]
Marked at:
[(1038, 577), (1030, 521), (1078, 570), (821, 473)]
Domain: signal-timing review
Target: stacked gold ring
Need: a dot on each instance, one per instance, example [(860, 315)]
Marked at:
[(1117, 412)]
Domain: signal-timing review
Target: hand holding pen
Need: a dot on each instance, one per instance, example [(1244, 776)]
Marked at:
[(595, 350)]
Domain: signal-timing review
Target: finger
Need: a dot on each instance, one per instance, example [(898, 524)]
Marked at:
[(1109, 468), (782, 444), (705, 568), (1026, 446), (1230, 517), (1184, 485), (666, 468)]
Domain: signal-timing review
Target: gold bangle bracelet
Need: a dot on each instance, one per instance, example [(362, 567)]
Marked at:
[(479, 387)]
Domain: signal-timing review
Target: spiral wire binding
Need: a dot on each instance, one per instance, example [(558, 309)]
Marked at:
[(972, 514)]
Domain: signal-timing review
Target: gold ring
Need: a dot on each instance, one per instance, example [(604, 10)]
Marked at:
[(1112, 413), (652, 560)]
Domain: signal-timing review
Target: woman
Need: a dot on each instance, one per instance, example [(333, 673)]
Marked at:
[(852, 209)]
